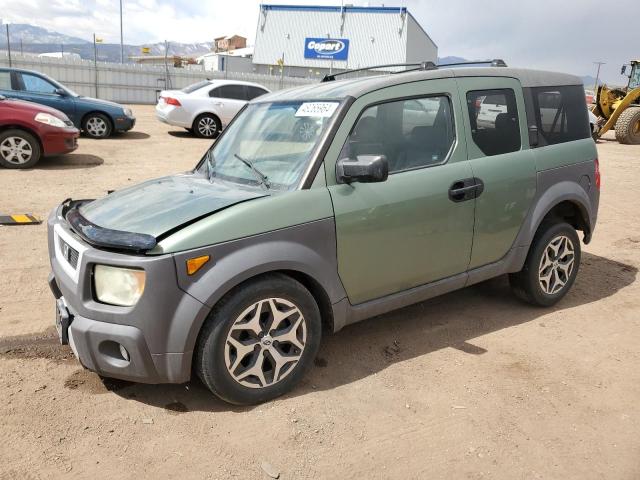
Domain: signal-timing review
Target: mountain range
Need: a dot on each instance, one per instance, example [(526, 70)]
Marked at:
[(32, 39)]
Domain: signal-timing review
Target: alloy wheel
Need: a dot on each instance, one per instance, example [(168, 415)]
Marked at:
[(556, 265), (265, 343), (207, 127), (97, 127), (16, 150)]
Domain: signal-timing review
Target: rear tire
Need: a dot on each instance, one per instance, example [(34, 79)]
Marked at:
[(628, 126), (551, 266), (259, 340), (19, 149), (207, 125)]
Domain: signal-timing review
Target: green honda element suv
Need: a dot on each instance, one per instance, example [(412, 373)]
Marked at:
[(321, 206)]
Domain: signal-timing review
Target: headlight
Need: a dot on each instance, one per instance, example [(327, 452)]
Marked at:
[(49, 119), (128, 112), (118, 286)]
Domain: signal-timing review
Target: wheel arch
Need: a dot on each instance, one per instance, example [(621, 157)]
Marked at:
[(205, 112), (17, 126), (564, 200), (304, 253), (102, 112)]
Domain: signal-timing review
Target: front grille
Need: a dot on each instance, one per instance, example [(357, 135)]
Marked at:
[(68, 123), (69, 253)]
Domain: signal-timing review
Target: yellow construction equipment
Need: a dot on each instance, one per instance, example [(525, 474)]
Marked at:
[(619, 108)]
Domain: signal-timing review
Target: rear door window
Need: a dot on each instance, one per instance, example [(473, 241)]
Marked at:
[(561, 114), (493, 115)]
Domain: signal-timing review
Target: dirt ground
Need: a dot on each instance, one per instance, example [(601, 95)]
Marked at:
[(470, 385)]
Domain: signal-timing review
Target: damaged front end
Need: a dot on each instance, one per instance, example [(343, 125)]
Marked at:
[(101, 237)]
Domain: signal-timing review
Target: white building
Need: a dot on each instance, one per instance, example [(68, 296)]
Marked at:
[(313, 40)]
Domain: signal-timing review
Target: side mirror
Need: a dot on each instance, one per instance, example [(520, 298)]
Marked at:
[(60, 91), (363, 169), (623, 70)]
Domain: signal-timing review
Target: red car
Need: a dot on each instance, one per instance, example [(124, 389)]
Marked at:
[(29, 131)]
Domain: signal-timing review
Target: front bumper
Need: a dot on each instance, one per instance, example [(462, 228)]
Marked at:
[(157, 332), (124, 123), (61, 141)]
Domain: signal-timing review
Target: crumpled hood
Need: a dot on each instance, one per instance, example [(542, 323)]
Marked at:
[(157, 206)]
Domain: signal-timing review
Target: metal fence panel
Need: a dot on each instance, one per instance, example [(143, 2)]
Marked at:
[(132, 83)]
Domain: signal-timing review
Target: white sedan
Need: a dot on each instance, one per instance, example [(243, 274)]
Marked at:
[(206, 107)]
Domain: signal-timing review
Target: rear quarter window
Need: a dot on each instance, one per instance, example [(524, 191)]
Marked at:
[(5, 81), (560, 114)]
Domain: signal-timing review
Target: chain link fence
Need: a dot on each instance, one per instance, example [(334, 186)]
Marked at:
[(132, 83)]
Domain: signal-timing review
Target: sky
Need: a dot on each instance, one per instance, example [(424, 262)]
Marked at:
[(563, 35)]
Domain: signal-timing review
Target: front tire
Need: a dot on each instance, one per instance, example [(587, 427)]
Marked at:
[(207, 125), (97, 125), (551, 266), (259, 340), (19, 149)]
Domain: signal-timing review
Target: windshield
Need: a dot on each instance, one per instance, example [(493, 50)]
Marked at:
[(269, 144), (634, 78), (195, 86)]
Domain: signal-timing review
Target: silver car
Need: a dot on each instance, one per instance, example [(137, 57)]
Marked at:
[(206, 107)]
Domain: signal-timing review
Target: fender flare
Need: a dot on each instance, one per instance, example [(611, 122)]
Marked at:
[(564, 191)]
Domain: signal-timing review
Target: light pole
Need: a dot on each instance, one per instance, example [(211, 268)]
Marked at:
[(599, 64), (121, 37), (8, 45)]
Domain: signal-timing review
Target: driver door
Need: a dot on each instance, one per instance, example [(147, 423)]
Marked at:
[(406, 231)]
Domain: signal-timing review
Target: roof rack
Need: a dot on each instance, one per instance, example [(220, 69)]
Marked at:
[(496, 62)]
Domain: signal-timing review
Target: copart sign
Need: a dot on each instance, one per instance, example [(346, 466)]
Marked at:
[(326, 48)]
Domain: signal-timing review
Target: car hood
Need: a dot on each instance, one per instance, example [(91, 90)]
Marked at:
[(32, 107), (158, 206), (98, 102)]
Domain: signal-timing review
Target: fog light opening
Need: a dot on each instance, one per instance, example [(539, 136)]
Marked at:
[(123, 352)]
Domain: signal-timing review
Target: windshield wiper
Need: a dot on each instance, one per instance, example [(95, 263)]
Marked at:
[(264, 180), (210, 163)]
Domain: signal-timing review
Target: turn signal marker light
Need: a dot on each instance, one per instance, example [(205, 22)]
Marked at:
[(195, 264)]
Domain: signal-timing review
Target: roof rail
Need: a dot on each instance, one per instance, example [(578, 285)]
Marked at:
[(496, 62), (421, 66)]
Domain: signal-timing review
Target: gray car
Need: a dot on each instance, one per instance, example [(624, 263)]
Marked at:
[(396, 194)]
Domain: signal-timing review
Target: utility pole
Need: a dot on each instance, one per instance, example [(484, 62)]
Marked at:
[(121, 37), (95, 61), (167, 79), (8, 45), (599, 64), (21, 50)]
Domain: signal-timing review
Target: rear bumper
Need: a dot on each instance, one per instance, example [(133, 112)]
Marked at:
[(173, 116), (60, 142)]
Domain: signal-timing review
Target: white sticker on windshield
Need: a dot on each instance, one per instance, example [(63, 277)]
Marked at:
[(317, 109)]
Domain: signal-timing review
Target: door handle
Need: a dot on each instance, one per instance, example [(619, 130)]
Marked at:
[(466, 189)]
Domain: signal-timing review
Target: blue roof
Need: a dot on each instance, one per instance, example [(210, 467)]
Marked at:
[(330, 8)]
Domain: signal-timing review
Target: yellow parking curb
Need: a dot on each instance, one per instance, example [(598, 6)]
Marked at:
[(19, 219)]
